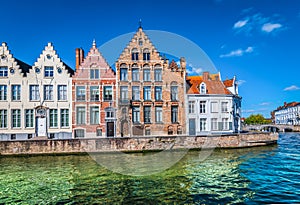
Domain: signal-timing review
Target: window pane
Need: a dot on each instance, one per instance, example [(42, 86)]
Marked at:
[(48, 92), (174, 114), (16, 118), (3, 92), (135, 93), (147, 75), (64, 117), (147, 93), (124, 74), (80, 115), (3, 71), (135, 74), (158, 74), (158, 114), (16, 92), (147, 114), (202, 106), (158, 93), (94, 112), (53, 117), (124, 93), (29, 119), (48, 71), (135, 114), (174, 93), (80, 93), (3, 118), (94, 93), (62, 92), (108, 93)]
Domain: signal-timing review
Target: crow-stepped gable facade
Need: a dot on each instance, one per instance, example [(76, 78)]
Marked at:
[(150, 95), (94, 96), (35, 101)]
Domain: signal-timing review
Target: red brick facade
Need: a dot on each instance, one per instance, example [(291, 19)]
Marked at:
[(93, 95)]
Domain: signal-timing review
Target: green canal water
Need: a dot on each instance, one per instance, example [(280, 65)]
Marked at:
[(236, 176)]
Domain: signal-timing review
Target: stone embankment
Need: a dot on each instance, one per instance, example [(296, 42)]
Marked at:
[(135, 144)]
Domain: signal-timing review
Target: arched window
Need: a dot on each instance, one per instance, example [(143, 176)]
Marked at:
[(146, 73), (202, 88), (157, 73), (134, 54), (123, 72), (146, 54)]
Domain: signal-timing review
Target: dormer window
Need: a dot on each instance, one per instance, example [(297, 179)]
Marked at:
[(202, 88), (134, 54)]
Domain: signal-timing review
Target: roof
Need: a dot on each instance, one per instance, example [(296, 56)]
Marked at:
[(213, 84), (228, 82), (23, 66), (287, 105), (70, 70)]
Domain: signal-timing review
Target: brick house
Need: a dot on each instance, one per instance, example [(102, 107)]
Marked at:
[(93, 95), (150, 91)]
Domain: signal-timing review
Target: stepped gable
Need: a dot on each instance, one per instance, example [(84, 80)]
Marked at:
[(138, 37), (9, 60), (173, 66), (95, 59), (50, 51), (213, 84)]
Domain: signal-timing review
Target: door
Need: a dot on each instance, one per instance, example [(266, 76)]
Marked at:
[(41, 127), (192, 129), (110, 129)]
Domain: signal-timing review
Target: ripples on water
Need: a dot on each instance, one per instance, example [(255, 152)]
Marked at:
[(252, 176)]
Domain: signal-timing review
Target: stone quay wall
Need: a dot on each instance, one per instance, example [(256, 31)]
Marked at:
[(135, 144)]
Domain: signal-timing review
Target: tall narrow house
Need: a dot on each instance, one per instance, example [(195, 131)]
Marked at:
[(94, 96), (150, 93)]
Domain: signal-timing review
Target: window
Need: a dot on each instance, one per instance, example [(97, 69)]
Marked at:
[(51, 135), (224, 106), (62, 92), (158, 93), (158, 75), (3, 71), (94, 93), (53, 118), (135, 114), (124, 74), (135, 74), (80, 116), (202, 106), (48, 71), (202, 88), (29, 118), (191, 107), (3, 118), (34, 92), (140, 41), (48, 92), (147, 93), (174, 114), (15, 92), (79, 133), (174, 93), (16, 118), (108, 93), (13, 136), (158, 114), (99, 132), (135, 93), (147, 114), (214, 106), (146, 54), (147, 76), (29, 136), (225, 124), (64, 117), (94, 118), (214, 124), (80, 93), (124, 93), (134, 54), (147, 131), (3, 92), (94, 74), (202, 124)]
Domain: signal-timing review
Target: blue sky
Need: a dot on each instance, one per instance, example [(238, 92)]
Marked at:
[(258, 41)]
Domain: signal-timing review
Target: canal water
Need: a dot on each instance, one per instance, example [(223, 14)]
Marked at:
[(235, 176)]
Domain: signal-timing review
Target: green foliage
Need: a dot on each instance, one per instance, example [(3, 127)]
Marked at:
[(256, 119)]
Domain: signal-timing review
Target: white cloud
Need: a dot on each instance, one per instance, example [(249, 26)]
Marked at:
[(264, 103), (291, 88), (269, 27), (238, 52), (240, 82), (240, 24), (194, 70)]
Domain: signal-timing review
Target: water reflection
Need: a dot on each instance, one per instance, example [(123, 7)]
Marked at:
[(223, 177)]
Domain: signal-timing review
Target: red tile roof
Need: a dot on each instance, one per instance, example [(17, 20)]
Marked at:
[(213, 85), (228, 82)]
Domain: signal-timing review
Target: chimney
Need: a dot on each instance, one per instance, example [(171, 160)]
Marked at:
[(205, 76), (79, 57)]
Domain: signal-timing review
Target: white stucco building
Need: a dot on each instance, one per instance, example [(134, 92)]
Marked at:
[(288, 114), (214, 106), (35, 101)]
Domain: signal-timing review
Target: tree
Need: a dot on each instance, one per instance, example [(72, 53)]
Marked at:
[(256, 119)]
